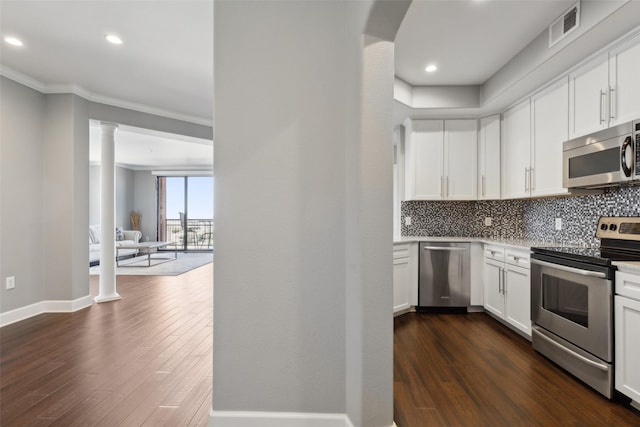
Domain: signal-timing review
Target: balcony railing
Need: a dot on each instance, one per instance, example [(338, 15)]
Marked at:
[(199, 233)]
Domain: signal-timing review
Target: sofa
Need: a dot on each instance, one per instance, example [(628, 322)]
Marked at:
[(123, 237)]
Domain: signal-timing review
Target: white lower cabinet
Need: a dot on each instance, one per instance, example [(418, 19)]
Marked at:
[(507, 288), (517, 293), (405, 276), (627, 345), (493, 271)]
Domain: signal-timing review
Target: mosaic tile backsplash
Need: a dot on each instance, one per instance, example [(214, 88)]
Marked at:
[(521, 219)]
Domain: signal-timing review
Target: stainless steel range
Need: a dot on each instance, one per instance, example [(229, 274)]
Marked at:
[(572, 301)]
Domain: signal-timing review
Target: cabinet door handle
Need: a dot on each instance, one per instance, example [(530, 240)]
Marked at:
[(612, 113), (442, 186), (484, 185), (526, 175), (447, 186), (504, 281), (499, 280), (602, 106), (531, 179)]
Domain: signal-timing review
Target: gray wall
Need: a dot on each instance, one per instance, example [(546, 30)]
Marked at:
[(66, 189), (145, 202), (138, 119), (45, 180), (304, 194), (124, 197), (135, 191), (21, 194), (45, 188), (280, 207), (94, 194)]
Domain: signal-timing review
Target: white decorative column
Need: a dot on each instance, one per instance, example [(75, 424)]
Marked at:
[(107, 290)]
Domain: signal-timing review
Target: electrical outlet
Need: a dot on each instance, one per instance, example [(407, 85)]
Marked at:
[(487, 221), (407, 220), (11, 282), (558, 223)]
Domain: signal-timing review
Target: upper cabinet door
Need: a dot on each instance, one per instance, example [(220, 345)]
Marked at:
[(425, 171), (460, 145), (489, 158), (516, 151), (588, 97), (624, 76), (549, 130)]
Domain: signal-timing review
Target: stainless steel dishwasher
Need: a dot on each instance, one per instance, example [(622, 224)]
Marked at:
[(444, 274)]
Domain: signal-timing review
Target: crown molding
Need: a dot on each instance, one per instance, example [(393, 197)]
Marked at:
[(23, 79), (34, 84)]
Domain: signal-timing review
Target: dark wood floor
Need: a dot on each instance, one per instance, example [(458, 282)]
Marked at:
[(469, 370), (143, 360), (146, 360)]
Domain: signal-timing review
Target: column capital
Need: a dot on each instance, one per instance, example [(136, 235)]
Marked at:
[(109, 126)]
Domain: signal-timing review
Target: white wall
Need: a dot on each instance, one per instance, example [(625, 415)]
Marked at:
[(21, 194)]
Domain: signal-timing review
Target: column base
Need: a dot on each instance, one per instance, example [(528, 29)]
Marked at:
[(106, 298)]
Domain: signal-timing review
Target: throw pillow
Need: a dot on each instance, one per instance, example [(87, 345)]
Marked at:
[(94, 233), (119, 233)]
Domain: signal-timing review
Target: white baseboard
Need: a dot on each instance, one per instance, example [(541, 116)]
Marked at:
[(60, 306), (276, 419)]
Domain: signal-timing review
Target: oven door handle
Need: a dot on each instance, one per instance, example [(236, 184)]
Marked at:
[(589, 362), (570, 269)]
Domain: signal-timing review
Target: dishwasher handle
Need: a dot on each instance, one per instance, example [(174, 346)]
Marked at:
[(444, 248)]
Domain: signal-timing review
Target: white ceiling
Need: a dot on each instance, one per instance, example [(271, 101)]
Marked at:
[(140, 149), (469, 40), (165, 65)]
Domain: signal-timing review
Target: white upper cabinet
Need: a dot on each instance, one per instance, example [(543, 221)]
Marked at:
[(489, 158), (516, 147), (534, 131), (460, 145), (549, 129), (440, 159), (588, 92), (424, 150), (604, 92), (624, 81)]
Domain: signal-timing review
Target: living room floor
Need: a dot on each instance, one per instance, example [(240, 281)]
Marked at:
[(142, 360)]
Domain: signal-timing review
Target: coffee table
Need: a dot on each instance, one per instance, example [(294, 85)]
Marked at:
[(146, 248)]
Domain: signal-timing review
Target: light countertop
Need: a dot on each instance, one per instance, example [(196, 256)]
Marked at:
[(516, 243), (628, 266)]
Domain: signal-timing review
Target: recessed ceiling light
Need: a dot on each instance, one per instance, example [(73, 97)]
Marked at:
[(431, 68), (112, 38), (13, 41)]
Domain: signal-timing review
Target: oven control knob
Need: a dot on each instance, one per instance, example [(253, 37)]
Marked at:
[(613, 227), (603, 227)]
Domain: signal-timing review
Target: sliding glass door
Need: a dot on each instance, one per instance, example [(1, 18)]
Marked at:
[(185, 211)]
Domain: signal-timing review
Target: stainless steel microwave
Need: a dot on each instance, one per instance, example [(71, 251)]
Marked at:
[(606, 158)]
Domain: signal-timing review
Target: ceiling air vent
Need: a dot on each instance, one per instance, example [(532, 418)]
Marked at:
[(567, 22)]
